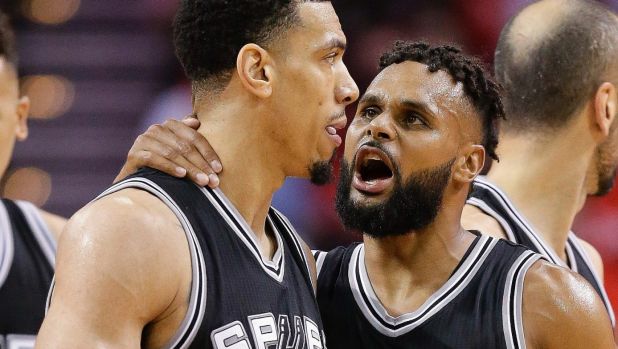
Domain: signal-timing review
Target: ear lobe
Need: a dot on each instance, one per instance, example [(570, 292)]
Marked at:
[(471, 164), (21, 128), (254, 67), (605, 109)]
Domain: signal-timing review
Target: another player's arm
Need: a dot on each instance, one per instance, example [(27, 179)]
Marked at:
[(121, 262), (54, 223), (561, 310), (176, 148), (472, 218)]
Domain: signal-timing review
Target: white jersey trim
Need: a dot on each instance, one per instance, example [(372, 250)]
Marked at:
[(482, 205), (377, 315), (577, 245), (40, 229), (274, 268), (512, 317), (7, 246), (546, 250), (197, 302), (319, 260), (296, 238)]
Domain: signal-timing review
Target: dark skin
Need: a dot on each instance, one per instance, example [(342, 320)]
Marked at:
[(422, 126)]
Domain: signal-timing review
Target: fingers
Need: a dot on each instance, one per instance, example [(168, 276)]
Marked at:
[(206, 153), (166, 153), (191, 121)]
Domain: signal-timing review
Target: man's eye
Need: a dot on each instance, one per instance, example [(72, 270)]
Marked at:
[(413, 119), (331, 58), (370, 112)]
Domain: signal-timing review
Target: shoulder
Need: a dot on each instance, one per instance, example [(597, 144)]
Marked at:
[(125, 242), (473, 218), (561, 310), (594, 256)]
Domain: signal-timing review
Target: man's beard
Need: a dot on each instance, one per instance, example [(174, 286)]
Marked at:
[(321, 172), (412, 206), (605, 183), (606, 170)]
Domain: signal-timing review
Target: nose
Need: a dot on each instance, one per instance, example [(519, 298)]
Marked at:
[(381, 128), (347, 91)]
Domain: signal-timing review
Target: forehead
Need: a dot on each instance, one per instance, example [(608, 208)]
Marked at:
[(413, 81), (319, 25)]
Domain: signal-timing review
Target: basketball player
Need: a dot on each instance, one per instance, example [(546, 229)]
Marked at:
[(557, 62), (28, 235), (419, 138), (159, 262)]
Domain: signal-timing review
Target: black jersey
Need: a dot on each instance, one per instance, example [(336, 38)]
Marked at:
[(27, 252), (238, 299), (478, 307), (492, 201)]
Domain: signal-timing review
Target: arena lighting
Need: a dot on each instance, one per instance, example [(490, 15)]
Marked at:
[(50, 95), (28, 183), (50, 12)]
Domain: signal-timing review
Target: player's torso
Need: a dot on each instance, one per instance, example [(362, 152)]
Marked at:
[(492, 201), (474, 309), (27, 251), (237, 299)]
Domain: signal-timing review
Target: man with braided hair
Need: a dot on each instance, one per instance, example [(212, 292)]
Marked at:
[(420, 136)]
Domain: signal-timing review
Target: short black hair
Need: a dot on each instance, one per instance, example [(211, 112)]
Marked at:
[(7, 40), (482, 91), (208, 34), (548, 83)]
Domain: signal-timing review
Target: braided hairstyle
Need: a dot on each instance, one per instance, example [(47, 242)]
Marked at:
[(482, 90)]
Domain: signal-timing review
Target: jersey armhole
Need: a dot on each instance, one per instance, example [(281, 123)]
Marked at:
[(512, 317)]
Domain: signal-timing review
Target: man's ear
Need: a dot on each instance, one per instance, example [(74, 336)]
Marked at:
[(255, 70), (605, 104), (470, 163), (21, 128)]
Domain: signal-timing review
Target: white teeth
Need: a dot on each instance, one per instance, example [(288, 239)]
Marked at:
[(331, 130)]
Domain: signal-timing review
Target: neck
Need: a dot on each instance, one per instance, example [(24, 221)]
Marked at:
[(545, 179), (250, 173), (406, 270)]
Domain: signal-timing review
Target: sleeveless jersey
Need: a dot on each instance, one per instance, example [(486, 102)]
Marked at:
[(492, 201), (478, 307), (238, 300), (27, 252)]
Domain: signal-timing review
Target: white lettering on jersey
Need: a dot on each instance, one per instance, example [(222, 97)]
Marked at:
[(231, 336), (314, 340), (269, 333), (264, 330)]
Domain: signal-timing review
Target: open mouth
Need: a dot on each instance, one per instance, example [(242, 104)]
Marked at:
[(373, 171)]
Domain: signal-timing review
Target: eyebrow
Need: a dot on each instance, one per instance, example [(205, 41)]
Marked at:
[(335, 43), (412, 104), (370, 99)]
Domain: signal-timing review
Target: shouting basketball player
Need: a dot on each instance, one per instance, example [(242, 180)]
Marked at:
[(157, 262)]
